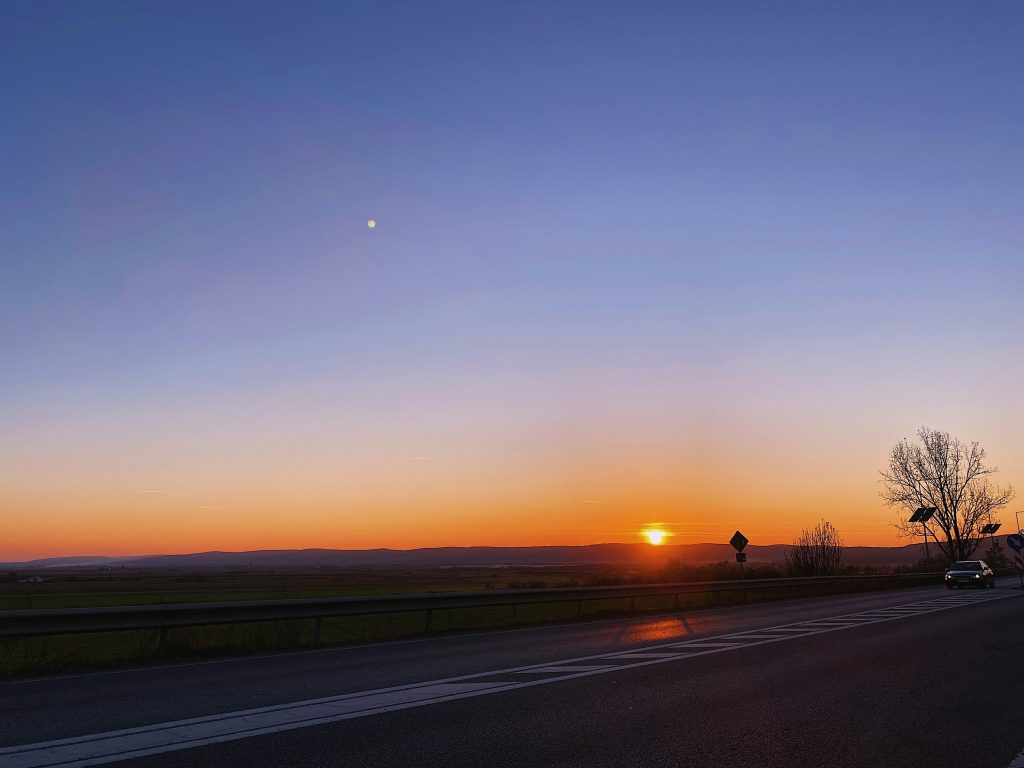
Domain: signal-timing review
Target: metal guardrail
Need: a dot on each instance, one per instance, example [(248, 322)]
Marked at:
[(63, 621)]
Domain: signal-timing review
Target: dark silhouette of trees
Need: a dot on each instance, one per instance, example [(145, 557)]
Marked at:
[(817, 552), (938, 470)]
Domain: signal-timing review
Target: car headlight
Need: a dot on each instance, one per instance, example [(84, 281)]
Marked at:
[(976, 576), (948, 576)]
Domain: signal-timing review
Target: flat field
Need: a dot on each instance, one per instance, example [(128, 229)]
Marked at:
[(89, 588), (85, 588)]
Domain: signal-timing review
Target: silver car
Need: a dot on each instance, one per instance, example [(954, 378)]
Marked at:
[(970, 573)]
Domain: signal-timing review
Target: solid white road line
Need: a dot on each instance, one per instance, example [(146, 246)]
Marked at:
[(112, 746), (704, 644), (647, 655), (558, 669)]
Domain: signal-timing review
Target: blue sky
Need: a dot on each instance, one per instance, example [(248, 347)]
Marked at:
[(595, 220)]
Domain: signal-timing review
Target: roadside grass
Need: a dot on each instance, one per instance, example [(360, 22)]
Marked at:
[(28, 602), (63, 653)]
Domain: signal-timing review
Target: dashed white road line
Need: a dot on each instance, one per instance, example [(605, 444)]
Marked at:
[(555, 669), (113, 746), (647, 655)]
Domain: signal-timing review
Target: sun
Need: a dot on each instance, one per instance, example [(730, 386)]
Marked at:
[(655, 536)]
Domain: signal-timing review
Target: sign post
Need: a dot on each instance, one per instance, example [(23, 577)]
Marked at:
[(922, 515), (991, 529), (1015, 541), (739, 541)]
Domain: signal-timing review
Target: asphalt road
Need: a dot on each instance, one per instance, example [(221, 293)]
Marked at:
[(914, 677)]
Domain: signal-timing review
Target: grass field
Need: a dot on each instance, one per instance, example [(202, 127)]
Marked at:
[(93, 588), (84, 589)]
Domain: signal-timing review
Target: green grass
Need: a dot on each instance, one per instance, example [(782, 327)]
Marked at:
[(43, 655), (61, 653), (385, 626), (27, 602)]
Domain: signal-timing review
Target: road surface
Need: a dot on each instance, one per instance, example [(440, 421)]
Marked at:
[(912, 677)]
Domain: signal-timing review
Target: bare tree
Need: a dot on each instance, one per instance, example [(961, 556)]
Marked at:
[(817, 552), (941, 471)]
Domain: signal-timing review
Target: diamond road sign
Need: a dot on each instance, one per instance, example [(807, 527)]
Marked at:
[(1013, 541), (738, 541)]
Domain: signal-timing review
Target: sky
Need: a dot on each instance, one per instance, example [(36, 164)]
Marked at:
[(699, 264)]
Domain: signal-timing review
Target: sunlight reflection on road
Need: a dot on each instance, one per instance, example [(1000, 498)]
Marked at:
[(661, 629)]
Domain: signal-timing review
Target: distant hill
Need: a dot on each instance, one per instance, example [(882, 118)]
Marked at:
[(593, 554), (79, 561)]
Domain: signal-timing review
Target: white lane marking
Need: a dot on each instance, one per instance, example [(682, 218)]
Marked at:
[(141, 742), (795, 628), (113, 746), (564, 668), (702, 644), (1018, 761), (648, 655), (894, 611)]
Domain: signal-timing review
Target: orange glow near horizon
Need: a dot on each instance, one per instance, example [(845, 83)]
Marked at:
[(165, 521), (170, 483)]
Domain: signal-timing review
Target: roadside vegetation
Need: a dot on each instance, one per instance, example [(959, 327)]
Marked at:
[(818, 552), (953, 478), (92, 589), (62, 653)]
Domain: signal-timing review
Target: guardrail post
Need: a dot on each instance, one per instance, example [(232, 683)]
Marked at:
[(426, 629), (675, 601), (579, 609), (161, 649)]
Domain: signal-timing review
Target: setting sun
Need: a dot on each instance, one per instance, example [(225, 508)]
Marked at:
[(655, 536)]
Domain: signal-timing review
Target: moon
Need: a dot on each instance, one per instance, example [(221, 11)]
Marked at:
[(371, 223)]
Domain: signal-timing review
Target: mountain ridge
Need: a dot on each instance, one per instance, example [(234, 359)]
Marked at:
[(549, 555)]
